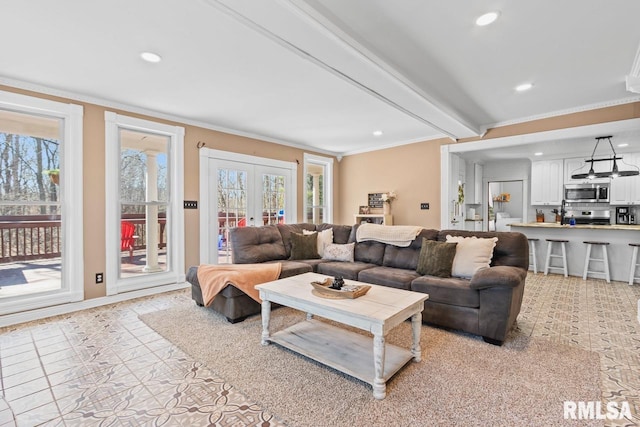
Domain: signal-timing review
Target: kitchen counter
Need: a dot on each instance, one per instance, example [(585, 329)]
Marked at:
[(634, 227), (618, 249)]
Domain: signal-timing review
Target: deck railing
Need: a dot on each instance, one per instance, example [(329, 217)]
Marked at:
[(24, 238), (30, 237)]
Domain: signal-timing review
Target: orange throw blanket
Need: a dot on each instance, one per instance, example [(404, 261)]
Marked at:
[(214, 278)]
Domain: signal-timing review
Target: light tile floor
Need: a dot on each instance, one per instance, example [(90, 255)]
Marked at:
[(104, 367)]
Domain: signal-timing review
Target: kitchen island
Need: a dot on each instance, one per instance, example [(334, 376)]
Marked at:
[(619, 236)]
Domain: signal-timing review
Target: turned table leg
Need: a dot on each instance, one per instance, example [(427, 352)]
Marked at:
[(416, 325), (379, 384), (266, 315)]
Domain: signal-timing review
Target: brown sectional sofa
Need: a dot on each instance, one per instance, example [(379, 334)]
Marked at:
[(486, 305)]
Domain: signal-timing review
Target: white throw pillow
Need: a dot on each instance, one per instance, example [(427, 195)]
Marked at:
[(325, 237), (472, 254), (334, 252)]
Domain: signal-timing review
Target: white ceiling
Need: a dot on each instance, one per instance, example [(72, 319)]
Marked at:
[(324, 74)]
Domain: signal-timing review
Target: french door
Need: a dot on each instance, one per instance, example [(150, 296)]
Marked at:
[(241, 191)]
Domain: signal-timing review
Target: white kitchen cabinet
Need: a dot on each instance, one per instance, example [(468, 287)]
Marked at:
[(578, 165), (547, 181), (626, 190), (473, 186)]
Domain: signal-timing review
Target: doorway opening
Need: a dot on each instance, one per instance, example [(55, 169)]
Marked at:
[(505, 204)]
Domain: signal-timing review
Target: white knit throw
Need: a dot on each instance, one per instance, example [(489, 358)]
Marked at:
[(397, 235)]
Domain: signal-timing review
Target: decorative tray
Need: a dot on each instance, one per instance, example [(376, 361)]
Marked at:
[(323, 290)]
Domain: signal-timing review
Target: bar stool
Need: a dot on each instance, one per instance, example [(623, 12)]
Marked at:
[(550, 254), (604, 260), (532, 254), (634, 264)]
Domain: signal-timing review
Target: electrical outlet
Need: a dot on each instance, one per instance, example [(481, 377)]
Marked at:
[(424, 206), (99, 277), (191, 204)]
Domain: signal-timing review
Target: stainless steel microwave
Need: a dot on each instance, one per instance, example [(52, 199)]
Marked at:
[(586, 193)]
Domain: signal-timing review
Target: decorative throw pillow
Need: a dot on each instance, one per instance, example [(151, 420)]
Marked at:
[(436, 258), (334, 252), (304, 247), (325, 237), (472, 254)]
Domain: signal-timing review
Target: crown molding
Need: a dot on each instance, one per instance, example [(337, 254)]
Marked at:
[(74, 96), (398, 144), (558, 113)]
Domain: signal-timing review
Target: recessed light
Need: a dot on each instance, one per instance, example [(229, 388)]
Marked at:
[(150, 57), (377, 133), (524, 86), (487, 18), (623, 145), (539, 153)]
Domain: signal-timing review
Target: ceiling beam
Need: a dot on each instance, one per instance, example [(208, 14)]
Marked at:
[(316, 39)]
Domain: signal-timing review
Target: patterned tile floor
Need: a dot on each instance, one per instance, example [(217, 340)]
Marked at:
[(104, 367)]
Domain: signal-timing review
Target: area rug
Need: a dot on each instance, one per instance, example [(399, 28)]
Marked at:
[(461, 380)]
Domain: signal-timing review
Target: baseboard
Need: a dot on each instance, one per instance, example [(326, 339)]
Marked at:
[(42, 313)]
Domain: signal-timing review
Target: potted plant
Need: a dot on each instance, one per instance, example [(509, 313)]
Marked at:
[(54, 175)]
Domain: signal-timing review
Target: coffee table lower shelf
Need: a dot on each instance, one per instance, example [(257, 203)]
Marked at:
[(343, 350)]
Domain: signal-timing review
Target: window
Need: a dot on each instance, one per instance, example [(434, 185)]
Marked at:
[(41, 248), (145, 247), (318, 187)]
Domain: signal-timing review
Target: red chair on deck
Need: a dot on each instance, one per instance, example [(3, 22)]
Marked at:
[(127, 238)]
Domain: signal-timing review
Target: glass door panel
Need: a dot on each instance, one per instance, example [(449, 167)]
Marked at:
[(273, 198), (230, 204)]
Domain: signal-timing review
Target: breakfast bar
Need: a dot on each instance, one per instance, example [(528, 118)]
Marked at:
[(618, 236)]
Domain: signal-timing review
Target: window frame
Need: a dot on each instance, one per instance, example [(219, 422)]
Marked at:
[(71, 208), (327, 164), (175, 214)]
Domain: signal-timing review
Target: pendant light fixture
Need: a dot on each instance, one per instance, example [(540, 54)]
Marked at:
[(614, 173)]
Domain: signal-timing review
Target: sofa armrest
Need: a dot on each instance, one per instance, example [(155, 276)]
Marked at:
[(499, 276)]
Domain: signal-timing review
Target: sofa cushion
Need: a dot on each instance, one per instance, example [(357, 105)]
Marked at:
[(388, 276), (286, 230), (348, 270), (369, 252), (325, 237), (407, 258), (511, 249), (304, 246), (452, 290), (335, 252), (341, 233), (293, 268), (436, 258), (252, 245), (472, 254), (313, 263)]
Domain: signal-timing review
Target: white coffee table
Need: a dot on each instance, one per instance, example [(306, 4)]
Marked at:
[(379, 311)]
